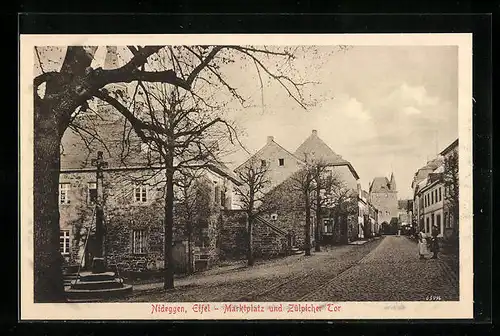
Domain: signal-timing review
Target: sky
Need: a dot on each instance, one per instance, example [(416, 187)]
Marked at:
[(383, 108)]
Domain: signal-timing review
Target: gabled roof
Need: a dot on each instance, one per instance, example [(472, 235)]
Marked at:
[(316, 149), (270, 142)]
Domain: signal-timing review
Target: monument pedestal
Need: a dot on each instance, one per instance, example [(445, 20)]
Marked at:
[(97, 285)]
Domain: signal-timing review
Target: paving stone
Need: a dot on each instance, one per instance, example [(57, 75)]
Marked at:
[(383, 270)]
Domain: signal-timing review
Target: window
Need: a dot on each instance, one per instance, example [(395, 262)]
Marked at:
[(432, 197), (217, 194), (140, 194), (440, 196), (263, 163), (64, 241), (427, 226), (223, 197), (92, 192), (281, 162), (438, 223), (446, 222), (64, 193), (139, 241)]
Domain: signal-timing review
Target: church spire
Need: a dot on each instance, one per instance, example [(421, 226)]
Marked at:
[(392, 182)]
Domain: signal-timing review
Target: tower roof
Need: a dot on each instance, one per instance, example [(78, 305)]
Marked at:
[(380, 184)]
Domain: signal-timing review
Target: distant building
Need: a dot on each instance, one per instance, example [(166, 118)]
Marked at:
[(430, 203), (384, 196), (405, 212)]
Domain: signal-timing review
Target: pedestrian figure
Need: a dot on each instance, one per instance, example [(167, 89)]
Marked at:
[(422, 244), (434, 242)]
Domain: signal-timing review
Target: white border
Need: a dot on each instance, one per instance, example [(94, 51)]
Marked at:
[(349, 310)]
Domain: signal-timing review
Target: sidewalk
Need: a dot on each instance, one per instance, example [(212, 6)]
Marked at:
[(361, 242), (450, 257)]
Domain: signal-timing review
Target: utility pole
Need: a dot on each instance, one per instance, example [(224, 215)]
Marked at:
[(99, 265)]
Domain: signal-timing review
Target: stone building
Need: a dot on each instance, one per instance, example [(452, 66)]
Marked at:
[(384, 196), (133, 199), (284, 207), (279, 162), (133, 194)]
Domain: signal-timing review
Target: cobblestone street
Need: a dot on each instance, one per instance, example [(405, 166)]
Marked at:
[(382, 270)]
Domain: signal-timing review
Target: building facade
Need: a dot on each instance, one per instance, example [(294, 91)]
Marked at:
[(432, 200), (384, 196), (283, 204)]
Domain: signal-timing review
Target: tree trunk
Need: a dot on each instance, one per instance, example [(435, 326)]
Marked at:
[(48, 279), (190, 252), (169, 223), (307, 245), (250, 258), (317, 247)]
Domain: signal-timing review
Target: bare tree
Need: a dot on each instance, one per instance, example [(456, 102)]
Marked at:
[(339, 199), (189, 139), (255, 181), (62, 93), (451, 187), (326, 185), (190, 205), (303, 183)]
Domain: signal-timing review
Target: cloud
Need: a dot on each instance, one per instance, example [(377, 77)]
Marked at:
[(412, 96), (352, 108), (410, 110)]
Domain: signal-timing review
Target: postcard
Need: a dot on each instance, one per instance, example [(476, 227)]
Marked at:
[(246, 177)]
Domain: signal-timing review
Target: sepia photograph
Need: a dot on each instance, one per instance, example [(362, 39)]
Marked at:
[(223, 179)]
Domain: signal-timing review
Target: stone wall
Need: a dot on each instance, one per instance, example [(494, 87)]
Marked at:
[(267, 242), (233, 237)]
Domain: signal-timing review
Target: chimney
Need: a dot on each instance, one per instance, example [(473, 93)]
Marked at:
[(270, 139), (315, 132)]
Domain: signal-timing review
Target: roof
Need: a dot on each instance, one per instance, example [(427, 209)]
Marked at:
[(380, 184), (77, 154), (315, 148), (270, 142), (450, 147), (424, 171)]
